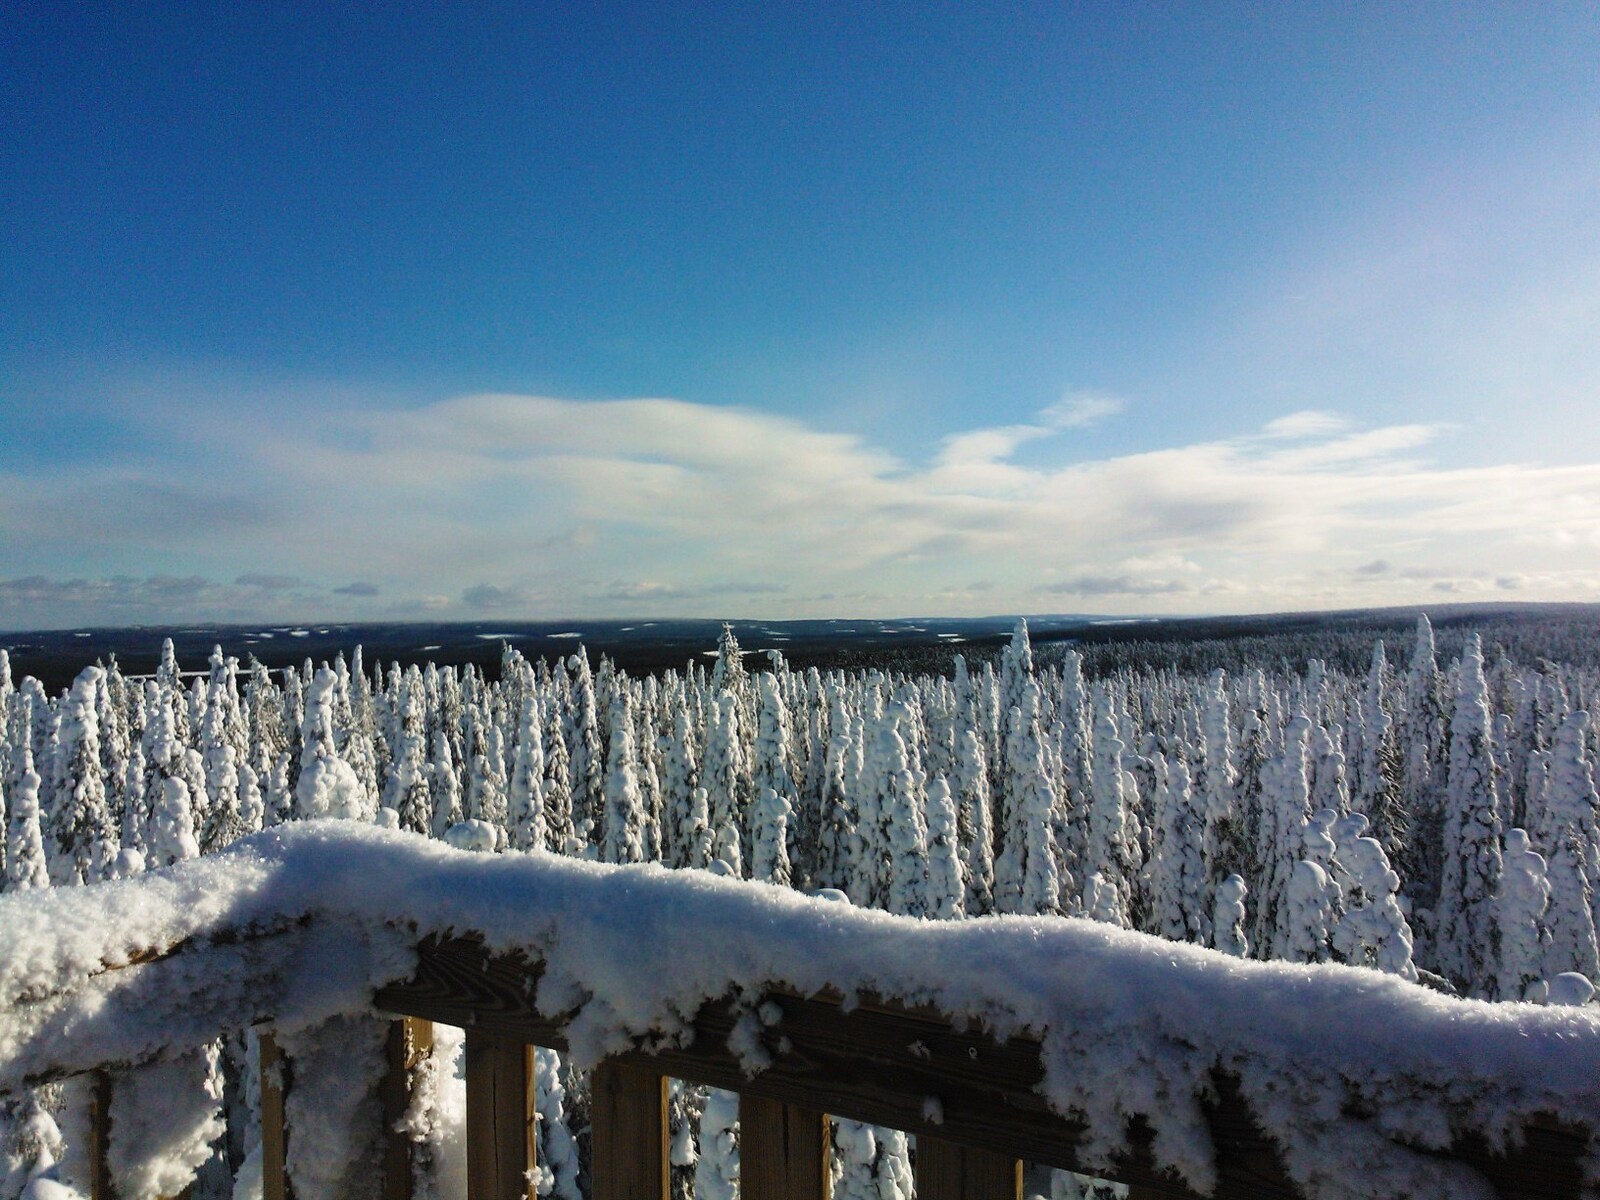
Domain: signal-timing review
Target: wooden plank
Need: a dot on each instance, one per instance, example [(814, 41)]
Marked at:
[(783, 1151), (99, 1088), (274, 1070), (502, 1139), (946, 1171), (878, 1063), (628, 1132), (409, 1045)]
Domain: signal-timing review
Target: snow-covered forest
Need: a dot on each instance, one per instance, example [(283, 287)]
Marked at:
[(1436, 820)]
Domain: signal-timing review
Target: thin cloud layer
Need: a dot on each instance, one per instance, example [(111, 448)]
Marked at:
[(536, 506)]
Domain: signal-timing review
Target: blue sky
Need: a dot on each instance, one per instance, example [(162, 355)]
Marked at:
[(336, 311)]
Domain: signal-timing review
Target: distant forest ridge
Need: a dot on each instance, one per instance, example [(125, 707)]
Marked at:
[(1568, 633)]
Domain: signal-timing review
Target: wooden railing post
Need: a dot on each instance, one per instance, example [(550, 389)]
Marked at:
[(946, 1171), (783, 1151), (502, 1138), (274, 1071), (99, 1135), (628, 1133), (410, 1045)]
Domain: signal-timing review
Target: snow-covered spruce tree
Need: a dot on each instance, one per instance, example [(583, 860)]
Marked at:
[(1252, 768), (1519, 914), (1176, 869), (1016, 674), (837, 817), (1467, 941), (527, 779), (1381, 766), (1027, 878), (170, 678), (444, 785), (1221, 843), (1308, 913), (170, 834), (486, 783), (947, 889), (112, 711), (327, 786), (1110, 855), (252, 805), (1372, 930), (585, 754), (408, 791), (1285, 807), (560, 837), (974, 830), (82, 841), (681, 838), (1328, 785), (722, 777), (217, 749), (771, 758), (1423, 737), (900, 833), (1227, 918), (25, 859), (624, 804), (1568, 830), (1569, 918), (770, 816)]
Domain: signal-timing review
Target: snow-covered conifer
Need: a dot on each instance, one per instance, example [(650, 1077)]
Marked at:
[(409, 792), (947, 889), (1519, 914), (25, 858), (559, 834), (770, 816), (679, 781), (1467, 938), (527, 779), (327, 786), (1177, 867), (722, 777), (974, 830), (1227, 918), (82, 840), (170, 836), (585, 754), (625, 815), (1308, 914), (1109, 853), (900, 832), (1379, 795), (444, 785), (1027, 877), (1285, 807), (1372, 930)]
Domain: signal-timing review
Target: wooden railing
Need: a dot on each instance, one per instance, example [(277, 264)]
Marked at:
[(972, 1102)]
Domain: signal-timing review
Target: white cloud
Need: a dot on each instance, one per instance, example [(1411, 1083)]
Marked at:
[(539, 506), (1081, 408)]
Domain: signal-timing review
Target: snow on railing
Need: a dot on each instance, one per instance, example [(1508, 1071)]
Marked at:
[(1174, 1069)]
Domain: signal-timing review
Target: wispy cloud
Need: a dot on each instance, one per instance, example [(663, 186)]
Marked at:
[(533, 505)]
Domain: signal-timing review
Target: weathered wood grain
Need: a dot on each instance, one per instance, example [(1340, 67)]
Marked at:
[(100, 1187), (275, 1083), (628, 1132), (946, 1171), (502, 1139), (783, 1150)]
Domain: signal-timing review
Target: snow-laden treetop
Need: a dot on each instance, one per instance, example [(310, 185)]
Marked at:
[(1128, 1024)]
